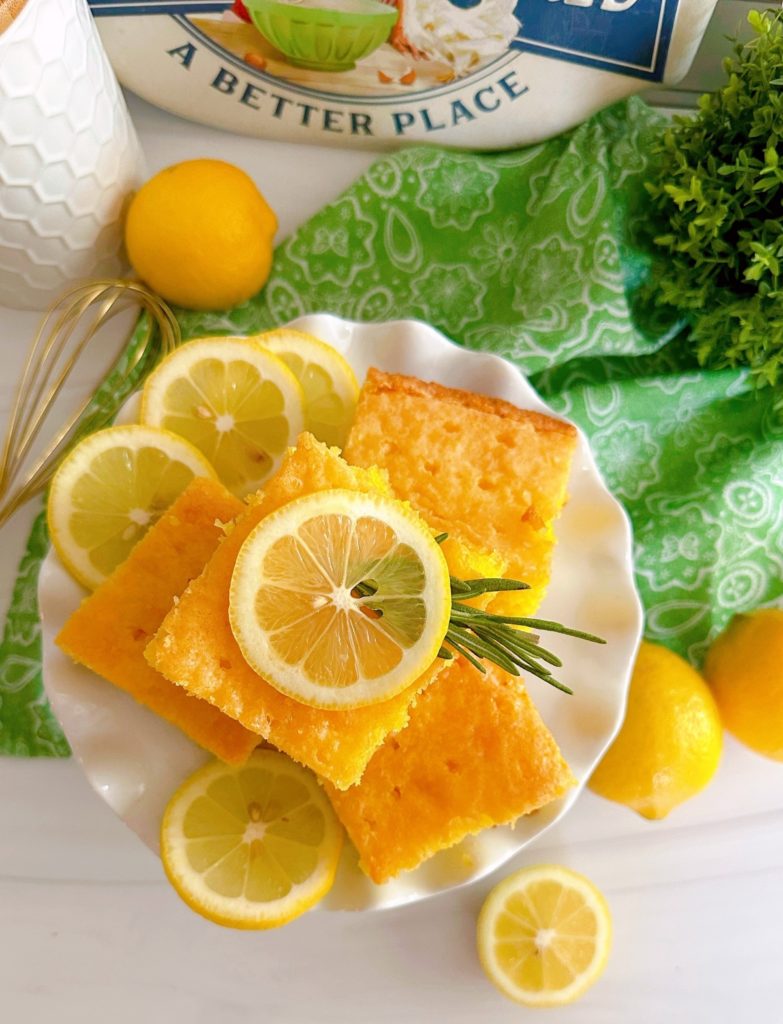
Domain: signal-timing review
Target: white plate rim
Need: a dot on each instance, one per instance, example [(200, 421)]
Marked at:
[(98, 720)]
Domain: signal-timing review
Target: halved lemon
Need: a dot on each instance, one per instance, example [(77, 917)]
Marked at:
[(544, 935), (340, 599), (235, 401), (110, 489), (330, 387), (252, 846)]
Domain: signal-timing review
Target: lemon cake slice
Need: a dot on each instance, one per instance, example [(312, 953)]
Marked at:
[(195, 647), (111, 628), (473, 466), (475, 754)]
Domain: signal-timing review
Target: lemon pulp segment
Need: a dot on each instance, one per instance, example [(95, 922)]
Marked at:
[(237, 403), (340, 599), (251, 847), (110, 489), (330, 388), (544, 935)]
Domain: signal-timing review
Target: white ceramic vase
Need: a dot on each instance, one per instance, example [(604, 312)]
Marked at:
[(69, 156)]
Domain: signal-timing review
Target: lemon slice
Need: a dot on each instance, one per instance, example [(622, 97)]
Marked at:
[(110, 489), (252, 846), (330, 387), (340, 599), (544, 935), (236, 402)]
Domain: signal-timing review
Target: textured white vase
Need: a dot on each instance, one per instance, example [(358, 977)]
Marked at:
[(69, 156)]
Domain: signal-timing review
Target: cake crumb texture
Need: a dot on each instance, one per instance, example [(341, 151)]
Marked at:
[(111, 628), (195, 647), (473, 466), (476, 753)]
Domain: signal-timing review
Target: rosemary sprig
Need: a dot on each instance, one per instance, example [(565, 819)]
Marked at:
[(506, 640)]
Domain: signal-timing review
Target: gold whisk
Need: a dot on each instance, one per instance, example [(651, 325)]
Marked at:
[(66, 331)]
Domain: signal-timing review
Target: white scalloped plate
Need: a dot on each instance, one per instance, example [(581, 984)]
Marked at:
[(135, 760)]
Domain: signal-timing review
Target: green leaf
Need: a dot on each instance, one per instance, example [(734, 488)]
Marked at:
[(715, 194)]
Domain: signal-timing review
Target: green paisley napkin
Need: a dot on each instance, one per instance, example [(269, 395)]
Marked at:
[(531, 255)]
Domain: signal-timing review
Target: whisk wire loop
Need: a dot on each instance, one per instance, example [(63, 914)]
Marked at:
[(74, 321)]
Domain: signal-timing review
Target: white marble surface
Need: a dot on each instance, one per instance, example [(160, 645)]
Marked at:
[(90, 932)]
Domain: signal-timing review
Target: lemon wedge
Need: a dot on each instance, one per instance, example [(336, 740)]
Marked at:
[(330, 388), (252, 846), (544, 935), (235, 401), (110, 489), (340, 599)]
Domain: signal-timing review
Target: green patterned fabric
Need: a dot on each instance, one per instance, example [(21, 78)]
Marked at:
[(531, 255), (27, 726)]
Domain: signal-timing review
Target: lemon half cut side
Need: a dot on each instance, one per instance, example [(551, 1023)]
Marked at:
[(110, 489), (252, 846), (330, 388), (236, 402), (544, 935), (340, 599)]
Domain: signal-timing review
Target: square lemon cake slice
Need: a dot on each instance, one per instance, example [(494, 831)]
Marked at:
[(475, 754), (195, 647), (473, 466), (111, 628)]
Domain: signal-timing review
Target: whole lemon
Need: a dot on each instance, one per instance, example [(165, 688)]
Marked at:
[(200, 234), (744, 667), (670, 743)]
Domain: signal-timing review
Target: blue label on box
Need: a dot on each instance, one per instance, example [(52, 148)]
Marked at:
[(126, 8), (630, 37)]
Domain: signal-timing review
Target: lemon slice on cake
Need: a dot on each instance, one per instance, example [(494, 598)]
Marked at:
[(110, 489), (330, 387), (544, 935), (252, 846), (235, 401), (340, 599)]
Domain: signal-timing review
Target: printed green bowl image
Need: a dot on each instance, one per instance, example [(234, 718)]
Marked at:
[(326, 35)]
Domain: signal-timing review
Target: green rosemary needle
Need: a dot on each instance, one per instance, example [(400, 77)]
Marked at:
[(508, 641), (505, 640)]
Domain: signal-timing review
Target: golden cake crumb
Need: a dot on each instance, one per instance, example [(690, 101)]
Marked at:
[(475, 754), (473, 466), (111, 628), (196, 649)]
